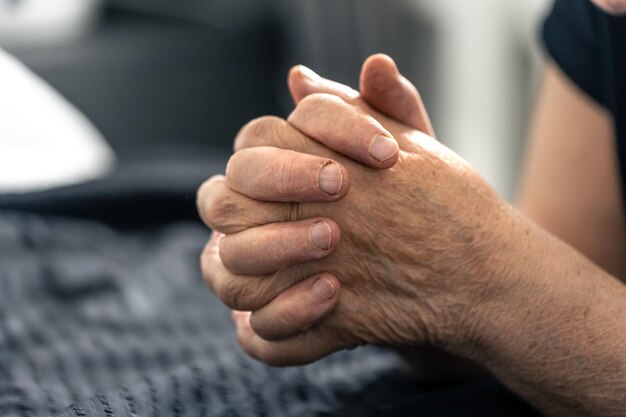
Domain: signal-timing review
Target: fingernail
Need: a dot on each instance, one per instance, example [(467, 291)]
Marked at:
[(321, 234), (383, 148), (309, 74), (331, 179), (324, 289)]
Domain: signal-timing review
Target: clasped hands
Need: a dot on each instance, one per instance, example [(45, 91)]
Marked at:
[(349, 224)]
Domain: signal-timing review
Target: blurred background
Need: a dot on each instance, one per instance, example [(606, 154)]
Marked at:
[(155, 77)]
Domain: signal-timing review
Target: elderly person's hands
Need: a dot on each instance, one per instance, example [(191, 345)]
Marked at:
[(429, 255), (417, 260)]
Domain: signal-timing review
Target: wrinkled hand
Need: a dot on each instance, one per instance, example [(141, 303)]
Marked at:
[(417, 258)]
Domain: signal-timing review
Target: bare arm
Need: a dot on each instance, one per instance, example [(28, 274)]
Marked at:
[(571, 184), (570, 187), (566, 350), (559, 337)]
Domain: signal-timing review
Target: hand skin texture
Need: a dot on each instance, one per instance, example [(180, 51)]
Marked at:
[(422, 252)]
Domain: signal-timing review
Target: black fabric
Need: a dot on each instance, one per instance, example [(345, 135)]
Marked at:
[(107, 315), (589, 45), (144, 192), (144, 80)]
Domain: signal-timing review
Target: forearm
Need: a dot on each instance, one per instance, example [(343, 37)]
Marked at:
[(558, 337)]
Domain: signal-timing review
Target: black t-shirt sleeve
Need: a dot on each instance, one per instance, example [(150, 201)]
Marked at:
[(573, 35)]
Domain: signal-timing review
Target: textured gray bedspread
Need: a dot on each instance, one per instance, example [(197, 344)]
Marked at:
[(97, 321)]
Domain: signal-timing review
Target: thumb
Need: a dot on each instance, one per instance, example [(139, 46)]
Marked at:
[(384, 88)]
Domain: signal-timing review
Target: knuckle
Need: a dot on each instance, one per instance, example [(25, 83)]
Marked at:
[(231, 212), (236, 258), (232, 165), (238, 296), (208, 273), (321, 114), (313, 101), (307, 103), (204, 194), (228, 292), (293, 318), (286, 177), (292, 275), (201, 194), (336, 126), (270, 356), (293, 212), (258, 131), (215, 213), (243, 339), (218, 210), (263, 352), (276, 251), (243, 342)]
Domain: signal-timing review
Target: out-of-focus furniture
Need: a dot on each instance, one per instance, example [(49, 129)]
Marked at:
[(474, 62), (192, 71), (486, 75), (153, 83), (45, 142), (41, 22)]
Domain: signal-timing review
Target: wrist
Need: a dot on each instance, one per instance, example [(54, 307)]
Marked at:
[(489, 283), (544, 289), (558, 335), (516, 286)]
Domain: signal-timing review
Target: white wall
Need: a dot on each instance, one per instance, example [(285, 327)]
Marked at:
[(486, 72), (475, 62)]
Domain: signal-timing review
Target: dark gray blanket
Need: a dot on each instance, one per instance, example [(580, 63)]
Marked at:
[(107, 315)]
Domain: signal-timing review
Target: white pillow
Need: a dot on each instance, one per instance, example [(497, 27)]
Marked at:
[(43, 22), (45, 142)]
